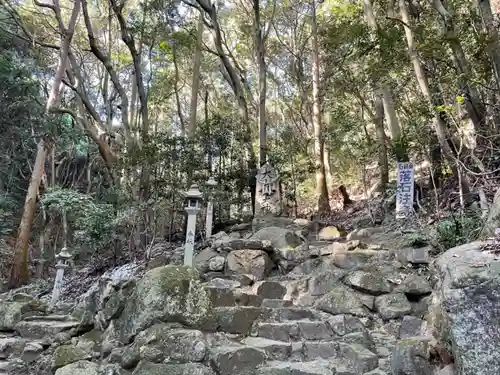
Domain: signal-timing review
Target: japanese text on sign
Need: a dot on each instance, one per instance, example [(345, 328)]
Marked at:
[(404, 194)]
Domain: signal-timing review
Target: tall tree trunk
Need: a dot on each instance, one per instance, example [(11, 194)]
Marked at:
[(195, 86), (440, 125), (387, 98), (236, 86), (493, 47), (383, 162), (474, 106), (321, 187), (19, 274), (67, 35), (261, 65), (398, 144), (328, 167)]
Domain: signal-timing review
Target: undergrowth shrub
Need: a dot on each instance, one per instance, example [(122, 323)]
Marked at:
[(457, 230)]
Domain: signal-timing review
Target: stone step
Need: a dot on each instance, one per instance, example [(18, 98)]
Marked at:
[(4, 367), (319, 367), (275, 350), (55, 318), (43, 329), (11, 345), (290, 313), (236, 359), (293, 330), (316, 367), (240, 319)]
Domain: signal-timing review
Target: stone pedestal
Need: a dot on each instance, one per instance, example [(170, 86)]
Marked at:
[(268, 196)]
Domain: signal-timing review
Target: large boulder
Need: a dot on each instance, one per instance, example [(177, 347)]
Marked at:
[(249, 262), (203, 258), (466, 308), (162, 341), (281, 239), (105, 299), (67, 354), (165, 294), (13, 312)]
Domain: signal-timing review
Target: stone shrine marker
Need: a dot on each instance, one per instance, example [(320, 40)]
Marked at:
[(404, 193), (268, 197)]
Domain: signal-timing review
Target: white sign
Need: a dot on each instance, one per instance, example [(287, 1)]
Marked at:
[(404, 194)]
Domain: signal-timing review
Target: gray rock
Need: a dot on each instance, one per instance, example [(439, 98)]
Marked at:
[(314, 330), (31, 352), (11, 313), (224, 283), (410, 357), (324, 282), (274, 350), (319, 367), (67, 354), (232, 244), (342, 300), (374, 282), (269, 289), (203, 258), (249, 262), (160, 342), (334, 248), (275, 303), (217, 263), (414, 255), (358, 234), (79, 368), (447, 370), (247, 299), (392, 306), (352, 259), (148, 368), (466, 307), (236, 319), (287, 331), (221, 296), (168, 294), (231, 360), (411, 327), (43, 328), (321, 349), (345, 324), (358, 358), (415, 285), (264, 221), (280, 238)]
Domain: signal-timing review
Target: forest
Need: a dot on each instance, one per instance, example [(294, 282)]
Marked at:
[(110, 110)]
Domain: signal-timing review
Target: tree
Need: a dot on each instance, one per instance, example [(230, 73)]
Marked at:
[(322, 190)]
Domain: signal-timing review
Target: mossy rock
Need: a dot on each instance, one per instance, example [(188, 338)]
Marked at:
[(67, 354), (166, 294), (12, 313)]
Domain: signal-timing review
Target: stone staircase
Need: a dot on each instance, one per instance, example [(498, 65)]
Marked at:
[(278, 339), (30, 337)]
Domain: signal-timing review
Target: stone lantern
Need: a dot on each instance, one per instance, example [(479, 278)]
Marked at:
[(211, 184), (193, 207), (63, 259)]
